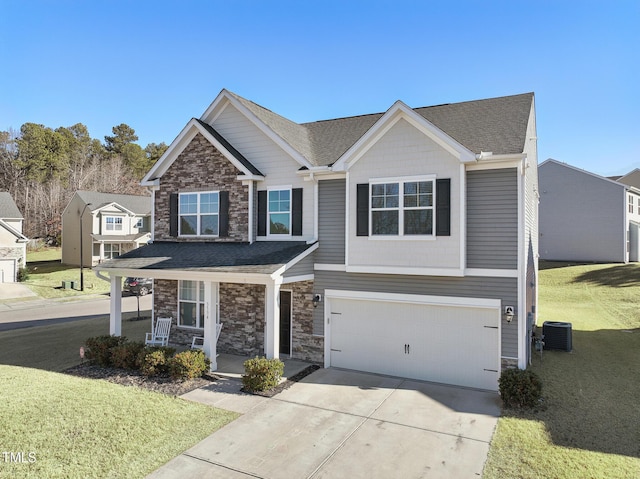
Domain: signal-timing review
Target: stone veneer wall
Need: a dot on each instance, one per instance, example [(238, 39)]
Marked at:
[(242, 312), (12, 252), (305, 345), (201, 167)]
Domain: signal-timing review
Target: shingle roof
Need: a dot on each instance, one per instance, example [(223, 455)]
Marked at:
[(8, 207), (259, 257), (237, 155), (140, 205), (498, 125)]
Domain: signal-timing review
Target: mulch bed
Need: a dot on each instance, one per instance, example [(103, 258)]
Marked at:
[(285, 384), (166, 385)]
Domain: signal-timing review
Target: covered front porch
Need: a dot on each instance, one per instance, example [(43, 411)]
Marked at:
[(245, 297)]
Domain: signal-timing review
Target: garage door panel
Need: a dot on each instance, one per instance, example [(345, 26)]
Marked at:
[(449, 344)]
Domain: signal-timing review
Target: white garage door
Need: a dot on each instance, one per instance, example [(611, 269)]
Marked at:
[(7, 270), (433, 342)]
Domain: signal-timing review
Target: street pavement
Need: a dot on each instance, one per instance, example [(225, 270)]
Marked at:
[(27, 312)]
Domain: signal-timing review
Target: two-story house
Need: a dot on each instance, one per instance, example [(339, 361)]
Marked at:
[(401, 243), (588, 217), (13, 244), (108, 225)]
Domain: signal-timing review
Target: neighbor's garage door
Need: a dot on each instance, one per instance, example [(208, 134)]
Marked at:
[(447, 344), (7, 270)]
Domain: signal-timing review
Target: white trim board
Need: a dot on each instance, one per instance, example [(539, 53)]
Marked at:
[(460, 301)]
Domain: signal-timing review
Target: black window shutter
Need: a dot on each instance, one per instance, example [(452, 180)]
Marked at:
[(296, 212), (362, 209), (262, 213), (443, 207), (223, 217), (173, 214)]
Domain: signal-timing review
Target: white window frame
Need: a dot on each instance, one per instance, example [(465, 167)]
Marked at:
[(289, 212), (401, 208), (199, 302), (139, 223), (198, 213), (112, 247), (631, 202), (114, 223)]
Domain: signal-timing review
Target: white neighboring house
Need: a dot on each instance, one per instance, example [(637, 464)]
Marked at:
[(111, 225), (587, 217), (13, 244)]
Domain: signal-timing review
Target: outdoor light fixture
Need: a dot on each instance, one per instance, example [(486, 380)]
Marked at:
[(316, 299), (509, 311)]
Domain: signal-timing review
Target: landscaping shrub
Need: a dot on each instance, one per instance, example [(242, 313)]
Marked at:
[(189, 364), (23, 275), (125, 355), (520, 388), (98, 349), (154, 360), (262, 374)]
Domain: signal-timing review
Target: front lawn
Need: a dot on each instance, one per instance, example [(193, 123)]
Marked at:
[(60, 426), (46, 279), (589, 423), (56, 347)]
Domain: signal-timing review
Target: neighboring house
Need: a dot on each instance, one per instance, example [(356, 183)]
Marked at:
[(401, 243), (13, 244), (587, 217), (111, 224)]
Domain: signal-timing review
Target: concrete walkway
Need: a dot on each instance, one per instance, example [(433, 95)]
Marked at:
[(15, 291), (338, 423)]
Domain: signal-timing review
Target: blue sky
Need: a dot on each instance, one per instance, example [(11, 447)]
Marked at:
[(156, 64)]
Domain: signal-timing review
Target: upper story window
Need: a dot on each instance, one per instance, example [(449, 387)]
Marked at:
[(630, 204), (279, 212), (402, 208), (199, 214), (113, 223), (140, 223)]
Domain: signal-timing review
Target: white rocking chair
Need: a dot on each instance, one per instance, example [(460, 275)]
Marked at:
[(198, 341), (159, 336)]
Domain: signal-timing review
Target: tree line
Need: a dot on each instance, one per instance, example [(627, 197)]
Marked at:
[(43, 167)]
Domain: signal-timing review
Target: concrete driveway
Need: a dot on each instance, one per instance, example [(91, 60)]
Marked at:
[(338, 423)]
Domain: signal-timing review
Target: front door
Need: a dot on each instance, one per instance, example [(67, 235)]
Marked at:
[(285, 322)]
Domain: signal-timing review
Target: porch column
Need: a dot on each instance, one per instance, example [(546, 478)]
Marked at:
[(210, 319), (115, 307), (272, 320)]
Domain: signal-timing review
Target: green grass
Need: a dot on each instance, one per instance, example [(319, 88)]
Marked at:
[(45, 279), (56, 347), (79, 428), (589, 424), (44, 253)]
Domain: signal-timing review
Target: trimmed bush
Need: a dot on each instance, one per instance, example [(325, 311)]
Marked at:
[(23, 275), (125, 356), (262, 374), (98, 349), (520, 388), (154, 361), (189, 364)]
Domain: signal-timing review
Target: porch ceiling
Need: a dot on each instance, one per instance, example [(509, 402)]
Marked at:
[(262, 257)]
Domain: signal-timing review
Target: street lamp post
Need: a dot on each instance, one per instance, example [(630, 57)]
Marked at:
[(81, 256)]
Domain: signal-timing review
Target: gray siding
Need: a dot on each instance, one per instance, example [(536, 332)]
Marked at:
[(582, 216), (492, 219), (303, 267), (331, 221), (504, 289)]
